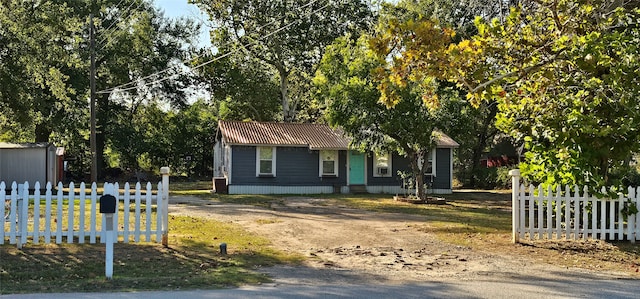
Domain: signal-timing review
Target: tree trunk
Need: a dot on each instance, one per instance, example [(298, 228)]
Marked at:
[(482, 141), (418, 173), (288, 114), (102, 116)]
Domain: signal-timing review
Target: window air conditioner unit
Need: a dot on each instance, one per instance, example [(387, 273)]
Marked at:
[(383, 170)]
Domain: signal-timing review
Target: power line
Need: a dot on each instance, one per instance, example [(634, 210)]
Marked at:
[(119, 13), (128, 12), (251, 44)]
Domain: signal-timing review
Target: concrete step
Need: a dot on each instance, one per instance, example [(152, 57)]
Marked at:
[(358, 189)]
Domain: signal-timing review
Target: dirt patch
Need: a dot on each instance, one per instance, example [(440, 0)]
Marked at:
[(379, 246)]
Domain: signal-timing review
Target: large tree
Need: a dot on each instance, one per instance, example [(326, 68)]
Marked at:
[(345, 82), (474, 126), (44, 68), (240, 88), (564, 74), (288, 36), (566, 80), (140, 62), (40, 61)]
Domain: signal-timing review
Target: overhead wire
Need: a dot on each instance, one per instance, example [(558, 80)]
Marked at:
[(127, 14), (123, 87), (119, 13)]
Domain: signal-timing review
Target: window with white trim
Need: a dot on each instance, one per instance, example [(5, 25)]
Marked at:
[(265, 161), (382, 165), (328, 163), (430, 168)]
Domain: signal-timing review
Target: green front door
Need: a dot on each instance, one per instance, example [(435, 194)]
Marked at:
[(356, 168)]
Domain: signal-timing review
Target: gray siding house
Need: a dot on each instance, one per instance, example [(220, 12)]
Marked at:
[(289, 158)]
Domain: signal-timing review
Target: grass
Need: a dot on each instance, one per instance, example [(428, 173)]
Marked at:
[(192, 260)]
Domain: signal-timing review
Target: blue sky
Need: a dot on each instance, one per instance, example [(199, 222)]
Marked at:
[(180, 8)]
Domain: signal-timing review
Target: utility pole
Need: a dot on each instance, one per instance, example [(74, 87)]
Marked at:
[(92, 83)]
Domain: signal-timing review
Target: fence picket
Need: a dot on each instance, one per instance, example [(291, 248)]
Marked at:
[(3, 195), (159, 213), (558, 198), (540, 207), (12, 215), (567, 212), (36, 213), (636, 200), (23, 219), (603, 217), (631, 220), (576, 212), (585, 216), (70, 212), (47, 213), (59, 215), (127, 206), (612, 221), (115, 191), (138, 203), (549, 213), (103, 217), (522, 210), (594, 217), (620, 221), (93, 224), (82, 215), (148, 218)]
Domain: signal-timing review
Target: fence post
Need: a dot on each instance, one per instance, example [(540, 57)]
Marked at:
[(165, 205), (515, 185)]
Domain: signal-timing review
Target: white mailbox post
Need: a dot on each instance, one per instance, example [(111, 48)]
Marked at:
[(108, 208)]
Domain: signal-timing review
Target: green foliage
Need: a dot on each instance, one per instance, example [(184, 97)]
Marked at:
[(40, 62), (563, 74), (241, 89), (345, 83), (284, 37), (492, 178), (153, 138)]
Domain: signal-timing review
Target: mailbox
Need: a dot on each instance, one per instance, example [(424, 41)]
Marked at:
[(107, 204)]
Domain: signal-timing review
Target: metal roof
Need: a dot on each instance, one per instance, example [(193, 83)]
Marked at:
[(315, 136), (24, 145)]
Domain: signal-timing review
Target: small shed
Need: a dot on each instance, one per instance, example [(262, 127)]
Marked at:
[(30, 162)]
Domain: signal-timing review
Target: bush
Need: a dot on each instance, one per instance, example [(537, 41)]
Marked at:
[(492, 178), (629, 177)]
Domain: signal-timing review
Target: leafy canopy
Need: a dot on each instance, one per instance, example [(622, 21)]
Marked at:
[(563, 73)]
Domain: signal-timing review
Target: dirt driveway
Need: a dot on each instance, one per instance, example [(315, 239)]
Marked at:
[(356, 245)]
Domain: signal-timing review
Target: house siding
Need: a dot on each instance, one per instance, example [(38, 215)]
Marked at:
[(295, 166), (398, 163), (442, 180)]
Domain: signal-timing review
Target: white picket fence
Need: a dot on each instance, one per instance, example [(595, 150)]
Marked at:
[(61, 216), (571, 214)]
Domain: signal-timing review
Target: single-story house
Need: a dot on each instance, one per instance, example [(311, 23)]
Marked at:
[(30, 162), (294, 158)]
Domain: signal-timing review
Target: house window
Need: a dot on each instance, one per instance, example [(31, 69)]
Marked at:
[(430, 167), (382, 165), (328, 163), (265, 161)]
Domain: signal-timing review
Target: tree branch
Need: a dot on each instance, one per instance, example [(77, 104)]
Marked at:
[(523, 72)]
